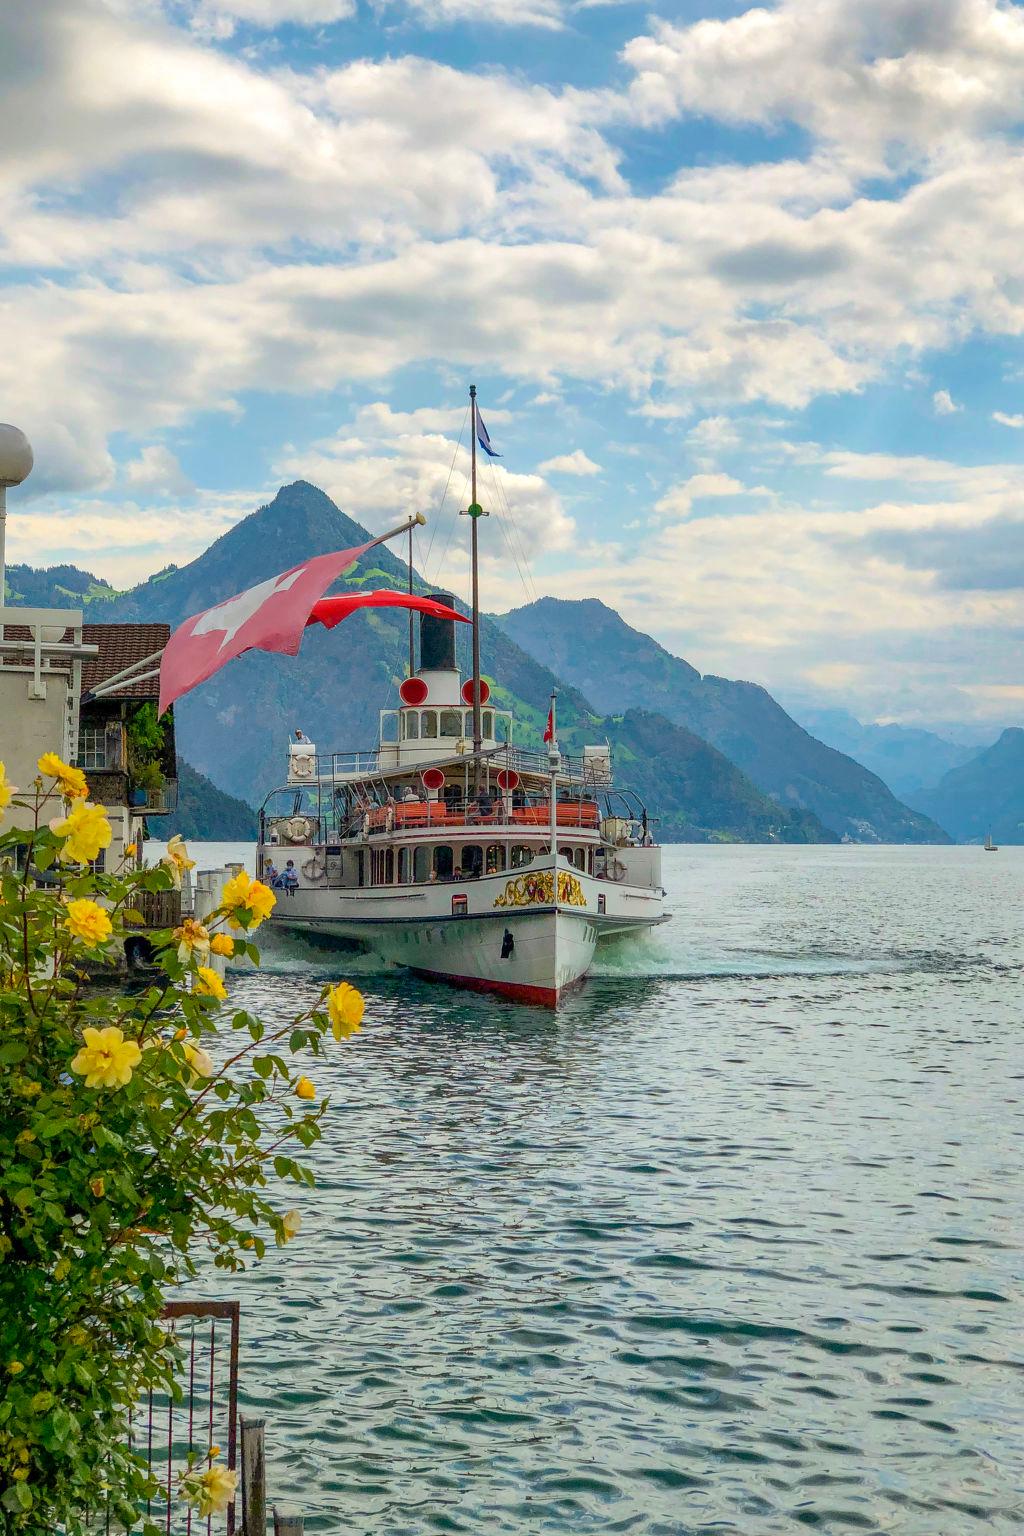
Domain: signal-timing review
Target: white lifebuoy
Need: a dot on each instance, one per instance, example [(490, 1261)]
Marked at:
[(314, 869), (617, 870), (298, 829)]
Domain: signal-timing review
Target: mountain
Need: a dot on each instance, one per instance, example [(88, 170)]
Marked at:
[(616, 666), (984, 795), (906, 758), (235, 727), (58, 586), (204, 811)]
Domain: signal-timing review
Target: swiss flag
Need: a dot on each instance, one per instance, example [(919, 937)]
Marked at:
[(268, 617), (549, 729)]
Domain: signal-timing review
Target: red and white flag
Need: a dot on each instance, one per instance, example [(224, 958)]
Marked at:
[(268, 617), (549, 729)]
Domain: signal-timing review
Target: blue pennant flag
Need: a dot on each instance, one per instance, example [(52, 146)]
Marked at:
[(483, 439)]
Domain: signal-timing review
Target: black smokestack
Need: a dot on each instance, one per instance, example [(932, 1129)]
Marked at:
[(437, 638)]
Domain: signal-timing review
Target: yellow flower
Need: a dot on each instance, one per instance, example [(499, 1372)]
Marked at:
[(292, 1225), (345, 1006), (7, 791), (199, 1060), (222, 944), (70, 781), (192, 938), (176, 859), (89, 922), (215, 1491), (209, 984), (98, 1186), (86, 830), (247, 902), (106, 1059), (304, 1089)]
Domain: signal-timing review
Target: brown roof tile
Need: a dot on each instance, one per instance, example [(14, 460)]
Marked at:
[(119, 646)]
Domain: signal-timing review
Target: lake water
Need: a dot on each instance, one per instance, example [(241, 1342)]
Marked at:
[(730, 1244)]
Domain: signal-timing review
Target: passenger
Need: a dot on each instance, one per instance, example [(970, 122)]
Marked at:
[(290, 878), (409, 795), (272, 876)]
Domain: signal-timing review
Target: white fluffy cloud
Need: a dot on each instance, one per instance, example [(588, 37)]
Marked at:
[(943, 403), (678, 502), (575, 463), (157, 470)]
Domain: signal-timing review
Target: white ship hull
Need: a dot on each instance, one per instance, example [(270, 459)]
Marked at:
[(503, 933)]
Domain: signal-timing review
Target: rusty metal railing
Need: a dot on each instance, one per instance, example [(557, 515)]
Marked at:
[(166, 1428)]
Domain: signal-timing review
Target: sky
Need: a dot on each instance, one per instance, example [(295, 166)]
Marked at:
[(741, 289)]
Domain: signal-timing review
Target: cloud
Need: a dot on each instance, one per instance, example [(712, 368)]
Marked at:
[(575, 463), (712, 436), (1004, 420), (219, 17), (679, 501), (943, 403), (158, 471)]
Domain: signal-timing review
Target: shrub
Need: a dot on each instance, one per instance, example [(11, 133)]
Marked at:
[(140, 1134)]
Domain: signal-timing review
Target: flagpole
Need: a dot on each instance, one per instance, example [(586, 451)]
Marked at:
[(474, 516), (554, 763), (412, 647)]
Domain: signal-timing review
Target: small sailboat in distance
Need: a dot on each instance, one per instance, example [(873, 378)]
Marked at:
[(990, 846)]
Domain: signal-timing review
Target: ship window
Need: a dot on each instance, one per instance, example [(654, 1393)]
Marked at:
[(404, 866), (421, 864), (389, 867), (472, 862), (488, 724), (410, 725), (566, 854), (495, 858), (389, 727), (520, 856), (428, 723), (444, 862), (580, 858), (601, 901), (451, 722)]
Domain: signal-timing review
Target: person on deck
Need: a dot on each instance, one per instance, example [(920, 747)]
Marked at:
[(272, 875), (290, 878)]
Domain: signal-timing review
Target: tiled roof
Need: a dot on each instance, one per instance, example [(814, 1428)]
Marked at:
[(119, 646)]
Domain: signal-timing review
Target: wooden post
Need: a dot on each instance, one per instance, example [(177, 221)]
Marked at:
[(289, 1525), (254, 1478)]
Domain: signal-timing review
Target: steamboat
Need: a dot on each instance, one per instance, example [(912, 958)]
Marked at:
[(452, 850)]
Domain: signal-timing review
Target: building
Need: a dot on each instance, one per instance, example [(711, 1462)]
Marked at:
[(81, 690)]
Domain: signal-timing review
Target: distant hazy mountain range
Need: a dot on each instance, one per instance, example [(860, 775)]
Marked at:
[(906, 758), (984, 795), (593, 648), (714, 759)]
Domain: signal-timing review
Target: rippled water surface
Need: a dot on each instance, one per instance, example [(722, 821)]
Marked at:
[(730, 1244)]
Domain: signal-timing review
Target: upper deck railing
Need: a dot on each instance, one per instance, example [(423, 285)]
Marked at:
[(334, 766)]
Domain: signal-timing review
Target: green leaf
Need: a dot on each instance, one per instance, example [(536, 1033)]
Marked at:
[(12, 1051)]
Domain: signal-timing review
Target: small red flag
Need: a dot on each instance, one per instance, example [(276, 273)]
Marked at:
[(549, 729)]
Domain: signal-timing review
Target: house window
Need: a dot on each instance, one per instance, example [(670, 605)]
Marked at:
[(92, 746)]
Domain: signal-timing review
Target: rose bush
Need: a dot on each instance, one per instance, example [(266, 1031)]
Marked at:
[(142, 1133)]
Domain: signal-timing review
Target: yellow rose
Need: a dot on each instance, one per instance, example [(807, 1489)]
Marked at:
[(70, 781), (346, 1006), (209, 984), (176, 860), (247, 902), (199, 1060), (89, 922), (85, 829), (107, 1059), (215, 1491), (291, 1222), (304, 1089), (222, 944), (7, 791), (192, 938)]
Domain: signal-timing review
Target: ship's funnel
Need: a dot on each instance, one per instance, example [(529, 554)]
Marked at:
[(437, 638)]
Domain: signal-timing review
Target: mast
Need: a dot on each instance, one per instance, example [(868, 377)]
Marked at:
[(412, 646), (475, 512)]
